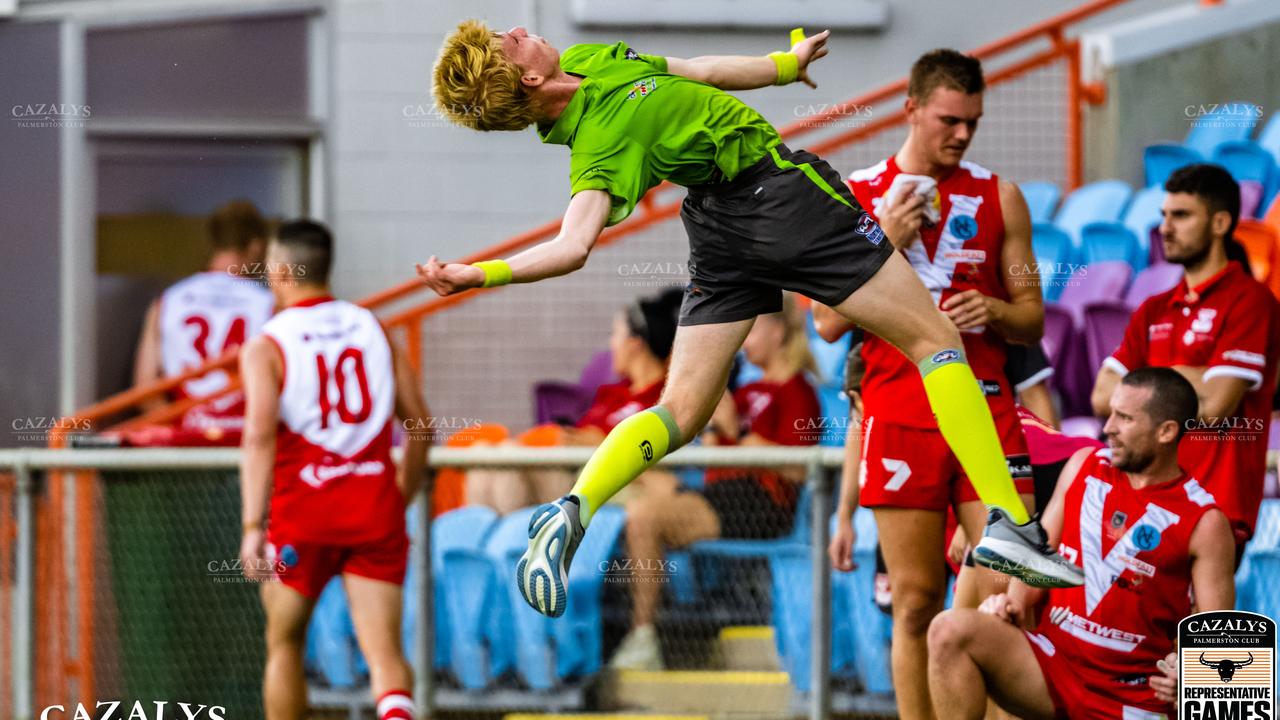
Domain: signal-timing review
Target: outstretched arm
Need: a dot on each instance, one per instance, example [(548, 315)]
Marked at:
[(740, 72), (583, 221)]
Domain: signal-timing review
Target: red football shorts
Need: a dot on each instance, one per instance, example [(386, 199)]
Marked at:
[(907, 467), (1081, 694), (307, 567)]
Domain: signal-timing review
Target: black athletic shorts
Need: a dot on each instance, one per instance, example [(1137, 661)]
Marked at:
[(788, 222), (746, 510)]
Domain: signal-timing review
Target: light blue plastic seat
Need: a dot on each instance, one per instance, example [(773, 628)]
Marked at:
[(1229, 121), (1054, 255), (578, 634), (461, 583), (1042, 200), (1159, 161), (1107, 241), (530, 632), (1101, 201), (1142, 215)]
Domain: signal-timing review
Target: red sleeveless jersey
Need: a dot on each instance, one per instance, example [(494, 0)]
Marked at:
[(1134, 547), (335, 482), (962, 252)]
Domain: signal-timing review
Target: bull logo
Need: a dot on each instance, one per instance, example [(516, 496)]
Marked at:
[(1226, 668)]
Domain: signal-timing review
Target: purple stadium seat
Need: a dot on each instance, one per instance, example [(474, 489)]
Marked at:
[(1251, 193), (1082, 426), (1098, 282), (1058, 330), (1067, 356), (1152, 281), (1155, 243), (1104, 326), (560, 402)]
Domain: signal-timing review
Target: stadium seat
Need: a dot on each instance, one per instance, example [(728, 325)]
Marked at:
[(333, 637), (1042, 199), (1159, 161), (462, 583), (1269, 138), (873, 630), (1142, 215), (1258, 580), (1252, 166), (1058, 331), (1152, 281), (1102, 201), (1107, 241), (1104, 326), (578, 637), (1230, 121), (828, 357), (1082, 426), (1053, 252), (529, 632), (556, 401), (835, 411), (1262, 245), (1098, 282)]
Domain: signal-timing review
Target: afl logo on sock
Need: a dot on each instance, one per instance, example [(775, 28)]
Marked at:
[(946, 356), (1226, 666), (646, 450)]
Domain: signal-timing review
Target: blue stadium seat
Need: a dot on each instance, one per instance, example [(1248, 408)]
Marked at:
[(835, 413), (1105, 241), (1102, 201), (799, 535), (873, 631), (1042, 199), (1258, 580), (1269, 138), (1142, 215), (462, 584), (1052, 249), (529, 631), (1160, 160), (578, 633), (1247, 161), (1230, 121), (334, 638), (829, 357)]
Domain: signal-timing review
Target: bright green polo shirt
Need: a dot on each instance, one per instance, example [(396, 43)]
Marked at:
[(631, 125)]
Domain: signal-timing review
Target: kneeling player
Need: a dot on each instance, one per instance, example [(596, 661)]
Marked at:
[(1144, 533)]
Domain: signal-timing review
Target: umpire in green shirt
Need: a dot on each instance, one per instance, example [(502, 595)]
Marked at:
[(761, 219)]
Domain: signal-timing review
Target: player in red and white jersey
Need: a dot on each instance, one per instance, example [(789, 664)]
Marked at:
[(323, 384), (201, 317), (1149, 539), (967, 234), (1220, 329)]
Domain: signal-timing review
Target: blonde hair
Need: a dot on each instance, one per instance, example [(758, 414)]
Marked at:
[(476, 86), (795, 339)]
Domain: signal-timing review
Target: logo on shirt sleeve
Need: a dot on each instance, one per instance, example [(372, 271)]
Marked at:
[(632, 54)]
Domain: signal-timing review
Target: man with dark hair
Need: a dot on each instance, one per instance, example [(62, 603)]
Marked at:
[(205, 315), (761, 219), (1145, 533), (965, 232), (1220, 329), (320, 494)]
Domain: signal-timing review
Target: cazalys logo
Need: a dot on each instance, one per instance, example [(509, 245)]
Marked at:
[(1226, 666), (139, 710)]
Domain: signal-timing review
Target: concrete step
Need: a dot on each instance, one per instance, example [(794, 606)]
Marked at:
[(750, 648), (711, 692)]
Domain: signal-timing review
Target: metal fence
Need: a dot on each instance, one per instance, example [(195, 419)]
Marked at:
[(160, 618)]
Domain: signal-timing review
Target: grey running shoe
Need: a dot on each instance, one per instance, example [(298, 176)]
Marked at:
[(543, 571), (1021, 551)]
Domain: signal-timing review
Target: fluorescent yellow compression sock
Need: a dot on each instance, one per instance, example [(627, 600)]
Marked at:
[(964, 418), (635, 445)]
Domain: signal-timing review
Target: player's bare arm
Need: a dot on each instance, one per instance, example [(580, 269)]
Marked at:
[(147, 366), (1021, 319), (568, 251), (1219, 396), (260, 370), (1213, 549), (412, 410), (738, 72), (845, 537)]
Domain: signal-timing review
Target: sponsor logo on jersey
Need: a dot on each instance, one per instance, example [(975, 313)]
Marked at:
[(317, 475), (1094, 633), (641, 88), (964, 227), (1226, 666), (966, 255)]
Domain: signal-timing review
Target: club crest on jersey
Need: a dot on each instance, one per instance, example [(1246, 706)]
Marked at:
[(869, 229), (964, 227), (1146, 538), (1118, 518), (288, 556), (642, 88)]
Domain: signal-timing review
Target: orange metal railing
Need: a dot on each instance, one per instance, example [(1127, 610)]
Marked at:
[(53, 614)]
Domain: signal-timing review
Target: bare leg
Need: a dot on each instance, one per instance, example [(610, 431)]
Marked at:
[(284, 689), (911, 541), (656, 521), (375, 612), (972, 654), (895, 305), (701, 359)]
